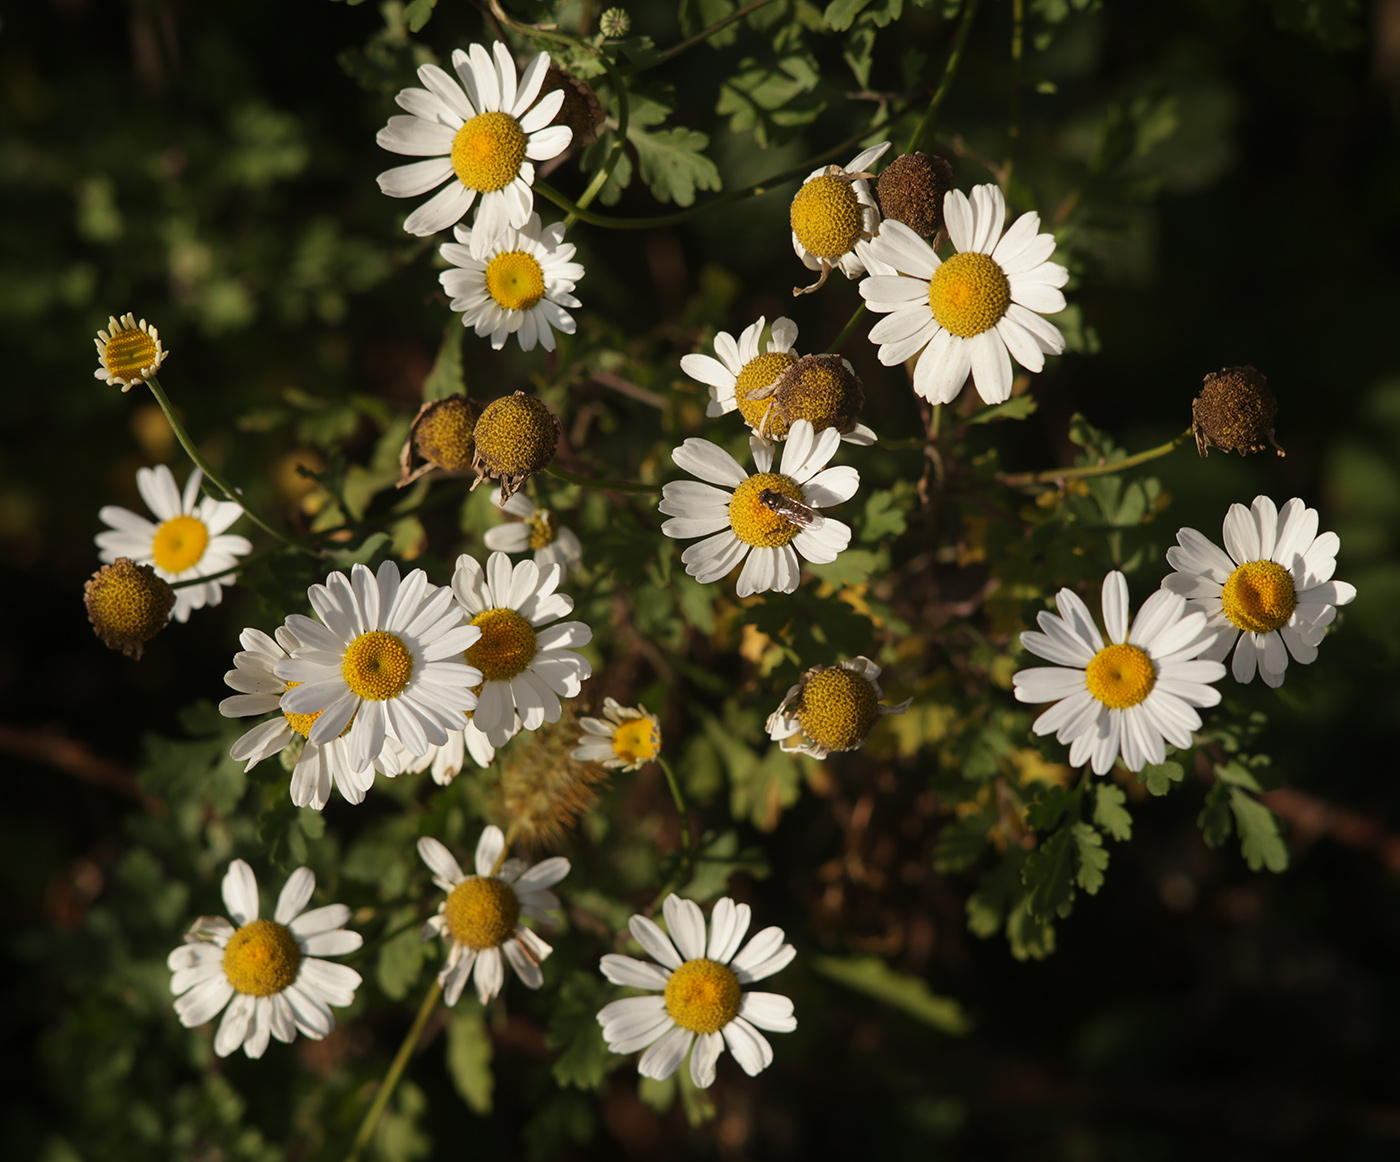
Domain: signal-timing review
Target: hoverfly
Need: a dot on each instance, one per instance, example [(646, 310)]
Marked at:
[(793, 511)]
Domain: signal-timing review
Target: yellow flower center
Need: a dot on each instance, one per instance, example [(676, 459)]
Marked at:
[(481, 912), (443, 433), (754, 522), (703, 996), (826, 216), (968, 294), (128, 604), (636, 740), (515, 436), (515, 280), (837, 708), (1259, 596), (758, 373), (1120, 676), (543, 529), (261, 959), (821, 390), (301, 723), (129, 352), (488, 150), (377, 666), (179, 543), (506, 646)]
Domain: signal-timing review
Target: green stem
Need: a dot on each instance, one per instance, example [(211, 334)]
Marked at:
[(846, 331), (949, 70), (1013, 126), (240, 567), (682, 876), (511, 832), (676, 49), (605, 485), (396, 1068), (1055, 475)]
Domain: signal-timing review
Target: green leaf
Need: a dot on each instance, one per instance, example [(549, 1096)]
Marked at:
[(1092, 857), (469, 1054), (657, 1096), (1260, 841), (771, 101), (884, 515), (1049, 873), (962, 841), (761, 791), (840, 14), (1215, 821), (446, 376), (1109, 812), (1159, 779), (717, 860), (574, 1028), (417, 13), (1000, 892), (1050, 805), (1013, 409), (852, 567), (873, 977), (1236, 774), (672, 163), (400, 961)]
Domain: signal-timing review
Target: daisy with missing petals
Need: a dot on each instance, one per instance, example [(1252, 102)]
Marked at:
[(188, 543), (130, 352), (519, 285), (831, 214), (1274, 592), (771, 513), (478, 138), (703, 1000), (387, 662), (1129, 697), (526, 664), (973, 313), (446, 761), (481, 915), (742, 370), (270, 969), (832, 708), (625, 738), (537, 529)]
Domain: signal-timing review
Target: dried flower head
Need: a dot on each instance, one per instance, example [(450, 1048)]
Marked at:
[(516, 436), (1234, 412), (911, 189), (823, 389), (441, 437), (541, 787), (581, 112), (128, 604)]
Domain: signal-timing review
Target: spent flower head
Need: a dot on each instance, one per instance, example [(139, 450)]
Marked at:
[(128, 604), (441, 436), (516, 436), (1234, 412)]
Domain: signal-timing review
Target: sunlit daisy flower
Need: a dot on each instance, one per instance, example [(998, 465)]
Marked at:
[(526, 664), (771, 513), (1130, 696), (973, 313), (1274, 591), (625, 738), (478, 137), (832, 213), (188, 543), (271, 970), (387, 662), (703, 1000), (519, 285), (130, 352), (537, 529), (832, 708), (481, 915), (446, 761)]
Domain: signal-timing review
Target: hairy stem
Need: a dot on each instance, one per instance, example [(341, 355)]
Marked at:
[(604, 485), (682, 876), (1055, 475)]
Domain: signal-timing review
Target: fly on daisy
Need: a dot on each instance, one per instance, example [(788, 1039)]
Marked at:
[(831, 214), (626, 738), (187, 544), (832, 708), (537, 529), (130, 352)]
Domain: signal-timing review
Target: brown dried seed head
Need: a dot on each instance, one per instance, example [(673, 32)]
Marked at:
[(516, 436), (911, 190), (128, 604), (1234, 412)]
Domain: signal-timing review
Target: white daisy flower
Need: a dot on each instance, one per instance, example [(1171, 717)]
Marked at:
[(973, 313), (625, 738), (1129, 697), (1274, 592), (537, 529), (387, 662), (482, 912), (519, 285), (772, 513), (703, 1000), (188, 543), (270, 969), (130, 352), (832, 708), (832, 213), (446, 761), (526, 664), (478, 137)]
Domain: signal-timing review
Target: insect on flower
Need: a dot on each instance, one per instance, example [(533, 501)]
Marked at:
[(794, 512)]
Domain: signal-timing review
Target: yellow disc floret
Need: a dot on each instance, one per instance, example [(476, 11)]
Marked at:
[(837, 707), (515, 436), (482, 912), (377, 665), (821, 389), (515, 280), (442, 433), (636, 740), (128, 604), (179, 543), (969, 294), (488, 151), (703, 996), (506, 647), (130, 352), (759, 373), (1120, 676), (262, 958), (754, 522), (301, 723), (544, 528), (826, 216), (1259, 596)]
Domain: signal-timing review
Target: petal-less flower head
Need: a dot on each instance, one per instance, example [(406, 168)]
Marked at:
[(703, 996), (188, 543), (1129, 695), (127, 605), (481, 915), (832, 708), (1234, 412), (973, 313), (831, 214), (769, 517), (442, 435), (1274, 591), (479, 136), (539, 530), (516, 436), (526, 664), (625, 738), (446, 761), (271, 970), (518, 285), (130, 352), (385, 660)]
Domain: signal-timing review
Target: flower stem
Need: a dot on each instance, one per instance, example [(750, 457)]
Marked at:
[(835, 348), (396, 1068), (1013, 121), (949, 70), (705, 34), (511, 832), (1055, 475), (682, 876), (605, 485)]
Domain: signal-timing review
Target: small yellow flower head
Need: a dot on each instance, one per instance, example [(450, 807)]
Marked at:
[(441, 436), (911, 190), (127, 605), (130, 352), (516, 437), (832, 708), (1234, 412), (581, 110), (822, 389)]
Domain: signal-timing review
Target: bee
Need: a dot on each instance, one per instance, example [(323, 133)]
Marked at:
[(793, 511)]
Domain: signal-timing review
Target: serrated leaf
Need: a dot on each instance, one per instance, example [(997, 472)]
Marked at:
[(574, 1028), (672, 163), (469, 1052), (1159, 779), (1049, 873), (998, 895), (850, 568), (1260, 841), (840, 14), (1013, 409), (962, 842), (400, 961), (761, 791), (1110, 814), (1237, 774), (1049, 806), (1092, 858), (446, 376), (873, 977), (1214, 820), (417, 13), (884, 516)]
